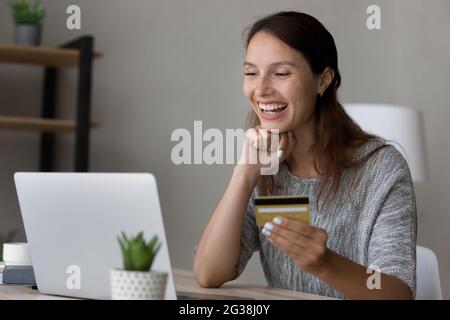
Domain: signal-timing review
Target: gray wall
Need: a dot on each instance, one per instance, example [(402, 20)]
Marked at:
[(168, 63)]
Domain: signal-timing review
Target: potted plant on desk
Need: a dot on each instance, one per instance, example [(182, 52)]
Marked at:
[(137, 281), (28, 21)]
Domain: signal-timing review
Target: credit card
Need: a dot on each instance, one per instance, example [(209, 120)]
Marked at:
[(291, 207)]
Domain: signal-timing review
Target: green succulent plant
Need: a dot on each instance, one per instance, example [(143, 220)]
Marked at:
[(26, 13), (136, 253)]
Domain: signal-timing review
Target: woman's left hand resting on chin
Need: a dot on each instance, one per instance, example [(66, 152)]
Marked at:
[(307, 247)]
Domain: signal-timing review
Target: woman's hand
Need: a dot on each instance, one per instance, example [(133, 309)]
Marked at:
[(262, 148), (305, 244)]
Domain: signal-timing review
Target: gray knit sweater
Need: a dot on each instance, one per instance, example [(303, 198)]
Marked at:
[(374, 225)]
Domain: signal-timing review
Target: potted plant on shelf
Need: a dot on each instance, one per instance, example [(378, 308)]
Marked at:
[(28, 21), (137, 281)]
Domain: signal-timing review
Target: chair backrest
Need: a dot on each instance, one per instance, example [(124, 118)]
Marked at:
[(428, 285)]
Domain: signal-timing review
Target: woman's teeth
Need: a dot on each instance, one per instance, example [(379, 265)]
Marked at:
[(272, 108)]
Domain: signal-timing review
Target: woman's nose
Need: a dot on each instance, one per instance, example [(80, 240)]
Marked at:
[(264, 87)]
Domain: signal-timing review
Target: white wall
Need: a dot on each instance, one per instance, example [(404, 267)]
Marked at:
[(168, 63)]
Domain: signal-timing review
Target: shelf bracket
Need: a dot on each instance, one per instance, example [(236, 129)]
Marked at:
[(85, 45)]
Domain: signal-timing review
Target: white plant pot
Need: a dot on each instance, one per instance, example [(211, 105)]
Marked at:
[(135, 285)]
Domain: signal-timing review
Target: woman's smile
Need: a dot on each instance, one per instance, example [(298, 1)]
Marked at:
[(272, 110)]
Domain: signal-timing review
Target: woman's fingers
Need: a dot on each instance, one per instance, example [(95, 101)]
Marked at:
[(259, 138), (306, 244), (256, 140), (275, 144), (252, 136), (273, 231), (264, 139)]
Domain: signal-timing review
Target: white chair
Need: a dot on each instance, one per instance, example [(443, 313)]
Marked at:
[(428, 286), (401, 125)]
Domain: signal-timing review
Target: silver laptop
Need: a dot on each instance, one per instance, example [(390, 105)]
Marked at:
[(72, 221)]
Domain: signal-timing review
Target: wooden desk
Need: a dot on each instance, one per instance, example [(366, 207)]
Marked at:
[(185, 283)]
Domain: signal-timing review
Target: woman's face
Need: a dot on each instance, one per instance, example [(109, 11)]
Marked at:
[(278, 83)]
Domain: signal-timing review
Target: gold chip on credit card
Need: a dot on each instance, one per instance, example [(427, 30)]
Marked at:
[(290, 207)]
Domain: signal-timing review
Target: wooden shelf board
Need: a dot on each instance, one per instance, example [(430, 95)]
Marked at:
[(39, 124), (40, 55)]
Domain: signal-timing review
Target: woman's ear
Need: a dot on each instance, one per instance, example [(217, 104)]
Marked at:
[(325, 79)]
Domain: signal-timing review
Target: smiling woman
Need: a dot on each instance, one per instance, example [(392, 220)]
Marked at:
[(363, 210)]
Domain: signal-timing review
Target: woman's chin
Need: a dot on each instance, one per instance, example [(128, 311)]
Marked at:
[(269, 125)]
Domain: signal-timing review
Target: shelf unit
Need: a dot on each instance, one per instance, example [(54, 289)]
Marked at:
[(78, 53)]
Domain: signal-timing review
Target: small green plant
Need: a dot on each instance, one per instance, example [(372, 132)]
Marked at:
[(26, 13), (136, 253)]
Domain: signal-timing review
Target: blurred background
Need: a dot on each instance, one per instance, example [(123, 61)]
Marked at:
[(168, 63)]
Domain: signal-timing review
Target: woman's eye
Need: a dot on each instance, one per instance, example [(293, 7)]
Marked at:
[(249, 74), (280, 74)]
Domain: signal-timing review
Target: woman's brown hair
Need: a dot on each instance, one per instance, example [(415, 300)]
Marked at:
[(336, 135)]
